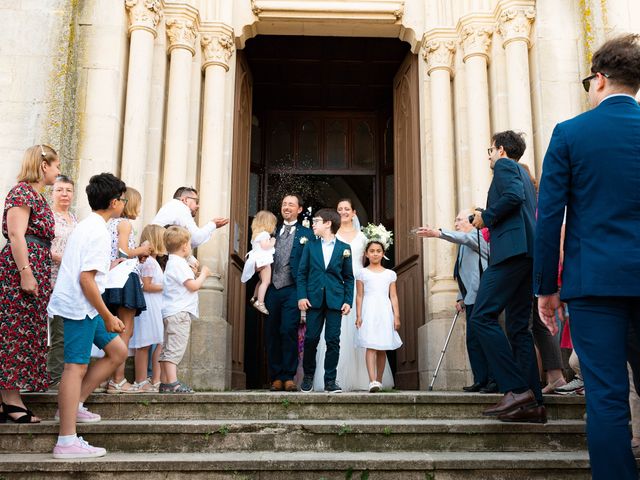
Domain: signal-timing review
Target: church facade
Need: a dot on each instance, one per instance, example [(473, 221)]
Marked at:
[(388, 102)]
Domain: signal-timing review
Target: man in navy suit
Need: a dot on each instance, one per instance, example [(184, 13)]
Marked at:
[(592, 167), (325, 292), (281, 299), (506, 284)]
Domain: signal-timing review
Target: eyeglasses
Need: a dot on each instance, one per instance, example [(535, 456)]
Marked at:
[(317, 220), (586, 82), (123, 200), (195, 199), (491, 149)]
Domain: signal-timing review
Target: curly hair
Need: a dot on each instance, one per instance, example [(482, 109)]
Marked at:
[(620, 59), (512, 142)]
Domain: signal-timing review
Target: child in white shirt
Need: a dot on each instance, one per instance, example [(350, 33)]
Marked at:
[(87, 320), (179, 307)]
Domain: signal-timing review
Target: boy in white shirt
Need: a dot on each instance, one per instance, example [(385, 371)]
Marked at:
[(179, 307), (77, 298)]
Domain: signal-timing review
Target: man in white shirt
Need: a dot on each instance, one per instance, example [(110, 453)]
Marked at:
[(181, 211)]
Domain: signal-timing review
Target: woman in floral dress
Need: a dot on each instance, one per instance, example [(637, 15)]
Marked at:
[(25, 283)]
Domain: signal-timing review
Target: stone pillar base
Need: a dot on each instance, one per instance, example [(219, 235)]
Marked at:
[(207, 362)]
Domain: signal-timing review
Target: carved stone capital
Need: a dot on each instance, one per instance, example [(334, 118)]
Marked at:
[(181, 33), (514, 24), (217, 47), (255, 8), (438, 54), (475, 40), (144, 14)]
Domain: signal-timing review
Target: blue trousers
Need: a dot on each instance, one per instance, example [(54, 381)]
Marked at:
[(282, 332), (512, 361), (477, 360), (316, 318), (599, 331)]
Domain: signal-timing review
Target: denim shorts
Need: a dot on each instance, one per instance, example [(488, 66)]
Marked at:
[(79, 335)]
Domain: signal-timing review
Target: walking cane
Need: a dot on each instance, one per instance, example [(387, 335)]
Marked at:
[(444, 349)]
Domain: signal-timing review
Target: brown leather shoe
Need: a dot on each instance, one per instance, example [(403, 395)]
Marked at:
[(290, 386), (276, 386), (526, 415), (511, 401)]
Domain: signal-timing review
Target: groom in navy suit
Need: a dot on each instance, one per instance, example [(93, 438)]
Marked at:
[(592, 167), (325, 292)]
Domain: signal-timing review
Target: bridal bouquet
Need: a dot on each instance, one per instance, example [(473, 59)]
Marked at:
[(377, 233)]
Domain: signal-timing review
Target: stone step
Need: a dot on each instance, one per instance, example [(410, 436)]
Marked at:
[(263, 405), (382, 435), (308, 465)]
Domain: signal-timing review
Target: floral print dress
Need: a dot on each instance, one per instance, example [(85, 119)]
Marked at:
[(23, 317)]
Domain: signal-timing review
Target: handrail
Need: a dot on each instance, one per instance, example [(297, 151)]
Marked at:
[(403, 265)]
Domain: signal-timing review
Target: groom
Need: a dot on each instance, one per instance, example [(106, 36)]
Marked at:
[(325, 292)]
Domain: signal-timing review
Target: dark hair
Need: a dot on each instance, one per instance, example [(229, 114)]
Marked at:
[(102, 189), (513, 143), (346, 199), (531, 177), (64, 179), (298, 197), (329, 215), (620, 58), (182, 190), (366, 262)]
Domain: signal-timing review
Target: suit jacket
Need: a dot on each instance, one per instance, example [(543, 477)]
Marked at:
[(592, 166), (297, 247), (334, 283), (468, 257), (511, 211)]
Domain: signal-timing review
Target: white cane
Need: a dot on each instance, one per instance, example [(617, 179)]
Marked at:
[(444, 349)]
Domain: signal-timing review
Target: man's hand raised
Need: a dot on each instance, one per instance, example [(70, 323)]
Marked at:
[(220, 222)]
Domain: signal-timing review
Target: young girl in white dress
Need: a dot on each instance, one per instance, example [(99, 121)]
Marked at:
[(352, 369), (377, 314), (260, 258), (148, 327)]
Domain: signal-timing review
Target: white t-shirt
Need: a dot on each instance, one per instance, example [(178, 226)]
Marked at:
[(174, 212), (88, 248), (175, 296)]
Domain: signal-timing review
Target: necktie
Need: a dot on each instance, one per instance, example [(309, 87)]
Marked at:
[(286, 230)]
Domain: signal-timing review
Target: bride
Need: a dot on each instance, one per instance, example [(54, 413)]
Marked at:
[(352, 369)]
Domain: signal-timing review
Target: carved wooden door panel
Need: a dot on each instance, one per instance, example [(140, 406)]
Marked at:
[(239, 217), (408, 249)]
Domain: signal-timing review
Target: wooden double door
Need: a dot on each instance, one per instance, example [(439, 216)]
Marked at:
[(384, 173)]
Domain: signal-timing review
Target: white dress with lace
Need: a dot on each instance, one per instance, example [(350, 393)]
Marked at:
[(352, 368)]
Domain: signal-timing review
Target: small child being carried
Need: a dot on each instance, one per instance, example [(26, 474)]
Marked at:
[(260, 258)]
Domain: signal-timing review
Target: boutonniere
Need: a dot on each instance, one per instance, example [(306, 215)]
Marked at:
[(346, 253), (303, 240)]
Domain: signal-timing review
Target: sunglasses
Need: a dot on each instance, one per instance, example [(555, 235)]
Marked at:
[(586, 82)]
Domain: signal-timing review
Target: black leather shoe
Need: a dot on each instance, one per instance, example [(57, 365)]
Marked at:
[(491, 387), (525, 415), (473, 388)]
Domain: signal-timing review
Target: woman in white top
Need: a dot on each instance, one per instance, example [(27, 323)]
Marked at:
[(352, 369)]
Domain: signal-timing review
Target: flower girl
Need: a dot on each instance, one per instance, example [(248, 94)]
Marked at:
[(377, 314), (260, 258)]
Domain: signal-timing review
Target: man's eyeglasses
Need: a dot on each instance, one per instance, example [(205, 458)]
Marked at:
[(586, 82), (195, 199), (123, 200), (490, 150), (317, 220)]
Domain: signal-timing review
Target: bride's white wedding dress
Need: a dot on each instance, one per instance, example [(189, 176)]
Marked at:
[(352, 368)]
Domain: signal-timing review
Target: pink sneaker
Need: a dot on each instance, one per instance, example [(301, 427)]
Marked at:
[(78, 449), (83, 416)]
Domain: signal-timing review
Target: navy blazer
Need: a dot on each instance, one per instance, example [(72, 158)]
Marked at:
[(334, 283), (511, 211), (592, 166), (297, 247)]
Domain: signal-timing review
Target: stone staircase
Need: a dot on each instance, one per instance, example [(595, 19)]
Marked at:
[(260, 435)]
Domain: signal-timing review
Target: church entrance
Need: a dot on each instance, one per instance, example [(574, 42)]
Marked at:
[(319, 116)]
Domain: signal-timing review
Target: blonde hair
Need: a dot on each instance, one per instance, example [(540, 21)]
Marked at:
[(175, 237), (154, 234), (134, 200), (264, 221), (31, 169)]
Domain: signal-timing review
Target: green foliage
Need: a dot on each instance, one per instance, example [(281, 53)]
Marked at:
[(344, 429), (223, 430)]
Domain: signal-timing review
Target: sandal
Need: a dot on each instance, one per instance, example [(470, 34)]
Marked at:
[(260, 307), (121, 387), (9, 409), (175, 387), (144, 386)]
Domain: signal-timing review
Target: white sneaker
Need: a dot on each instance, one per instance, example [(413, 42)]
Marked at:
[(83, 416), (78, 449), (374, 387)]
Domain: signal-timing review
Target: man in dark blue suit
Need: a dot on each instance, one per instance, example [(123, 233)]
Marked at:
[(592, 167), (506, 284), (281, 299), (325, 292)]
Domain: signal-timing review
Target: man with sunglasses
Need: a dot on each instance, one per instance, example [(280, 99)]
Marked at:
[(181, 211), (592, 167)]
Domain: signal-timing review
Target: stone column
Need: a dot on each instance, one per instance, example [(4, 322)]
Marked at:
[(181, 27), (515, 26), (475, 38), (144, 16)]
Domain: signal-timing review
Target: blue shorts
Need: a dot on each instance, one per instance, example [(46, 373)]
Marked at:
[(79, 335)]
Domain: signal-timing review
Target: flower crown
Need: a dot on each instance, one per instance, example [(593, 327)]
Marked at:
[(377, 233)]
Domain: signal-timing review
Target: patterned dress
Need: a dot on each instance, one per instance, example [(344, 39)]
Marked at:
[(23, 317)]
